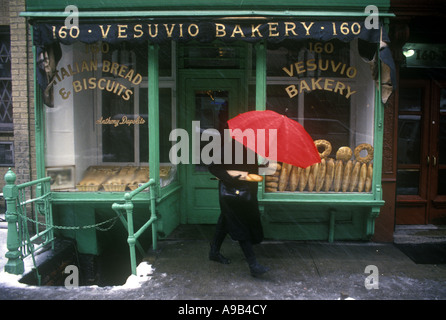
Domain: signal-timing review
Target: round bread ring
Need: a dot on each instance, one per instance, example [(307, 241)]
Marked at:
[(326, 145), (364, 146)]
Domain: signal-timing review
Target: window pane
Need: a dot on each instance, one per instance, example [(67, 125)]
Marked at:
[(441, 182), (6, 123), (218, 55), (409, 139), (442, 140), (407, 182), (210, 108), (166, 125), (117, 140), (5, 105), (329, 89), (144, 127), (410, 99), (97, 131), (443, 100)]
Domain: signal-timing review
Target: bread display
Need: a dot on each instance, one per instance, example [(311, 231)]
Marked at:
[(339, 173), (95, 176), (119, 181), (116, 178), (141, 176)]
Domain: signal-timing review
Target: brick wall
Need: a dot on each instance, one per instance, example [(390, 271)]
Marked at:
[(22, 92)]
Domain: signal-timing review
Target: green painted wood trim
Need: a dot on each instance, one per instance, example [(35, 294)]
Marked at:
[(378, 136), (153, 112), (36, 5), (204, 13), (105, 198), (260, 76), (323, 202), (39, 120)]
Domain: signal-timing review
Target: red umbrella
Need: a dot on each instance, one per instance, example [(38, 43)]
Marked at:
[(294, 145)]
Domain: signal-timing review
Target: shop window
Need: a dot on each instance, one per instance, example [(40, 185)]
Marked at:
[(6, 123), (97, 133), (328, 88)]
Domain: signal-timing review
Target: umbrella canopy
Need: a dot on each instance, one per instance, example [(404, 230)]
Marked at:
[(277, 137)]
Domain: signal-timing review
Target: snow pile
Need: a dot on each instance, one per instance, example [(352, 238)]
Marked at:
[(143, 272)]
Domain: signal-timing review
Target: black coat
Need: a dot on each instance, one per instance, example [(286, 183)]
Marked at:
[(240, 216)]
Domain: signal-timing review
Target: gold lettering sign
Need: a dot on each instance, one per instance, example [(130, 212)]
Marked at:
[(327, 84), (150, 31), (90, 83), (118, 122)]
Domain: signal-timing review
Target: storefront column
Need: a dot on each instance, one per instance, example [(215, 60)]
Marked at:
[(260, 76), (39, 113), (153, 88)]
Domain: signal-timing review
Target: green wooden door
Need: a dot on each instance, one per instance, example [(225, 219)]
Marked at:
[(209, 104)]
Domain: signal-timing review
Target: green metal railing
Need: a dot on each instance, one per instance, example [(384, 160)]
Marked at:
[(133, 236), (19, 210)]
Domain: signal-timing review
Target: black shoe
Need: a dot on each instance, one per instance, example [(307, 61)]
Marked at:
[(257, 269), (218, 257)]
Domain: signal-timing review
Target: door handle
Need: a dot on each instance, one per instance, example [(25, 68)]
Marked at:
[(428, 160), (435, 160)]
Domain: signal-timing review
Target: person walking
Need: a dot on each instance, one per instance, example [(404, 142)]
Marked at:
[(240, 215)]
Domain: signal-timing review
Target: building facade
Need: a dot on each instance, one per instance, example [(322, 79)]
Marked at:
[(104, 98)]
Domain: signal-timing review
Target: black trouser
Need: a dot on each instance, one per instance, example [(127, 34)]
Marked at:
[(248, 251), (219, 237)]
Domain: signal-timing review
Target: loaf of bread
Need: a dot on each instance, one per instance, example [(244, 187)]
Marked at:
[(339, 168), (313, 176), (321, 175), (329, 176), (284, 176), (369, 178), (254, 177), (294, 178), (347, 175), (344, 154), (303, 180), (362, 177), (274, 185), (355, 176), (271, 179)]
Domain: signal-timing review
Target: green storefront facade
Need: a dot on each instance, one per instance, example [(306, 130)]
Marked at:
[(121, 85)]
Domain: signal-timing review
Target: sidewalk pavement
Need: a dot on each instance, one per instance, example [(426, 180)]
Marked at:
[(300, 270)]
